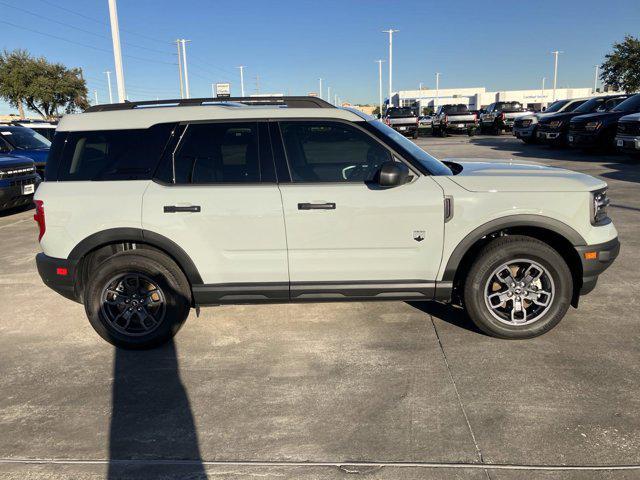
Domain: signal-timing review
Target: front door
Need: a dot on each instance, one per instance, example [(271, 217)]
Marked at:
[(346, 234)]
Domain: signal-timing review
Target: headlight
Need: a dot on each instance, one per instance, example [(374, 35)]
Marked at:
[(555, 124), (599, 203), (591, 126)]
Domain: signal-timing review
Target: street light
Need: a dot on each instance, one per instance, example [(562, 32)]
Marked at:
[(391, 31)]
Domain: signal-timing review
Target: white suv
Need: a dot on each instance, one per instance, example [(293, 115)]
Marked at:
[(149, 209)]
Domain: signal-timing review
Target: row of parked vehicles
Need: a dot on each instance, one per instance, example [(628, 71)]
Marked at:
[(24, 147), (603, 122)]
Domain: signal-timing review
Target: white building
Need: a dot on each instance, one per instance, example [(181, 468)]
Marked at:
[(478, 97)]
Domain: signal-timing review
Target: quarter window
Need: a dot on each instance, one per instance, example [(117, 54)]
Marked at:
[(331, 152), (218, 153)]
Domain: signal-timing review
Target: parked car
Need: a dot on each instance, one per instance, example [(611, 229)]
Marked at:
[(18, 181), (403, 120), (525, 127), (425, 124), (500, 116), (46, 129), (598, 130), (24, 142), (204, 194), (454, 118), (628, 135), (553, 129)]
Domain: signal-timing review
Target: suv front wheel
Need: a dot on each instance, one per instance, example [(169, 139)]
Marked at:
[(137, 299), (518, 287)]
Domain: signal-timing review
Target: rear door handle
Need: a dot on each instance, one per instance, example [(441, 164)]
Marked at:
[(176, 208), (317, 206)]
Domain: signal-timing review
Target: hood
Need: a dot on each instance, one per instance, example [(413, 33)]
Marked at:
[(14, 161), (550, 117), (599, 116), (634, 117), (37, 155), (511, 176)]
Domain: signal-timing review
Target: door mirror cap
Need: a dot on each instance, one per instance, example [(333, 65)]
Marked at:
[(393, 174)]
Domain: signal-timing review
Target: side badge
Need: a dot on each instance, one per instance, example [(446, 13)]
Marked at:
[(418, 235)]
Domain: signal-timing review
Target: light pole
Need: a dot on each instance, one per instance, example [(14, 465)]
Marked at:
[(108, 73), (95, 92), (320, 90), (379, 62), (184, 64), (555, 71), (542, 101), (328, 94), (595, 79), (117, 52), (241, 67), (180, 68), (391, 31), (435, 104)]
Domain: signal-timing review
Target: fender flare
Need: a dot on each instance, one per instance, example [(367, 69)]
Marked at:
[(138, 235), (510, 221)]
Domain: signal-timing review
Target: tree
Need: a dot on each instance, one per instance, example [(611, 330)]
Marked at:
[(42, 86), (621, 69)]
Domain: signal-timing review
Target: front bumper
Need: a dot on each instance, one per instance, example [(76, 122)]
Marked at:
[(582, 140), (524, 132), (628, 143), (12, 191), (58, 274), (605, 254)]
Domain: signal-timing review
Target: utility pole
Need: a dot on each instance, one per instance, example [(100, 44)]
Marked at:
[(95, 92), (213, 93), (257, 84), (328, 94), (379, 62), (544, 79), (108, 73), (335, 100), (595, 79), (555, 71), (435, 104), (180, 68), (320, 90), (391, 31), (117, 52), (241, 67), (184, 64)]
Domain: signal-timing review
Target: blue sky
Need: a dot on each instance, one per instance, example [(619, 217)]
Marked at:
[(289, 44)]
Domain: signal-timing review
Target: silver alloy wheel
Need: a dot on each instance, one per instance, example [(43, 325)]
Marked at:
[(519, 292), (133, 304)]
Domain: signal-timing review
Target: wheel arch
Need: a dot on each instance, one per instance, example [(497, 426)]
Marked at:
[(100, 245), (554, 233)]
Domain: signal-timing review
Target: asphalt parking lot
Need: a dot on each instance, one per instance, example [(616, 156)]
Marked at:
[(388, 390)]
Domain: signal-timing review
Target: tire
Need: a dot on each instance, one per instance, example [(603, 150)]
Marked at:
[(481, 282), (415, 135), (163, 311), (529, 141)]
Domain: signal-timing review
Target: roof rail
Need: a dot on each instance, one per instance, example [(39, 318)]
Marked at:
[(290, 102)]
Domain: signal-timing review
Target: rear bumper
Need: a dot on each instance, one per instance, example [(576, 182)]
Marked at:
[(405, 129), (606, 253), (52, 271)]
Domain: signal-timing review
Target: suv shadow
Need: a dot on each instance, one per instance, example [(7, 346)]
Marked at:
[(448, 313)]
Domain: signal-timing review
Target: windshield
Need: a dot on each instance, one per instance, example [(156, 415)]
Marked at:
[(434, 166), (573, 106), (555, 106), (455, 109), (400, 112), (631, 104), (600, 104), (24, 138)]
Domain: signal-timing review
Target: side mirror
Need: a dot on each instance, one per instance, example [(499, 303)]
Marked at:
[(393, 174)]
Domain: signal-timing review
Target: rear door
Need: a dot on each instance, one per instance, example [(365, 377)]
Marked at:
[(216, 196), (347, 236)]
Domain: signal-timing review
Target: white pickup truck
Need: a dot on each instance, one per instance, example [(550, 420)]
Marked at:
[(403, 120), (454, 118)]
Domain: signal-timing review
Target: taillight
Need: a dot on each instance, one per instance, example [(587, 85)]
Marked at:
[(475, 118), (503, 116), (39, 218), (446, 119)]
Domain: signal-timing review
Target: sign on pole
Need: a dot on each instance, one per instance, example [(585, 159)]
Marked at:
[(223, 89)]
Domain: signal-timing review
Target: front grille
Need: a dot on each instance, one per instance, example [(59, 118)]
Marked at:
[(629, 128), (12, 172), (522, 123), (22, 182), (544, 127), (577, 127)]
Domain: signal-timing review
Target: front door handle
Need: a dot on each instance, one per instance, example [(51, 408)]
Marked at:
[(317, 206), (176, 208)]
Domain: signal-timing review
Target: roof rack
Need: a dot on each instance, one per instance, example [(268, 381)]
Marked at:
[(289, 102)]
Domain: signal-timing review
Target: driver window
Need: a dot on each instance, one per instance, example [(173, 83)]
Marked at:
[(331, 152)]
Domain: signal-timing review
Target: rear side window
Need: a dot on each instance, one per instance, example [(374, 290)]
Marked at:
[(109, 154), (218, 153)]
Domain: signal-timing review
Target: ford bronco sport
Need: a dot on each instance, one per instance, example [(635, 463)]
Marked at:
[(149, 209)]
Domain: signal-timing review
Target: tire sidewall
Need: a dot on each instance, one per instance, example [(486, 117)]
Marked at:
[(484, 268)]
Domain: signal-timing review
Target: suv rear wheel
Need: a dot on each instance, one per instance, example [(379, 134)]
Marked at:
[(137, 299), (518, 287)]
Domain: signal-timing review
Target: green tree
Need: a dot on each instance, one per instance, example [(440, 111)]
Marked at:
[(44, 87), (621, 69)]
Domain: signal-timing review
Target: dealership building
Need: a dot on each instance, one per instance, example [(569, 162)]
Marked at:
[(479, 97)]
